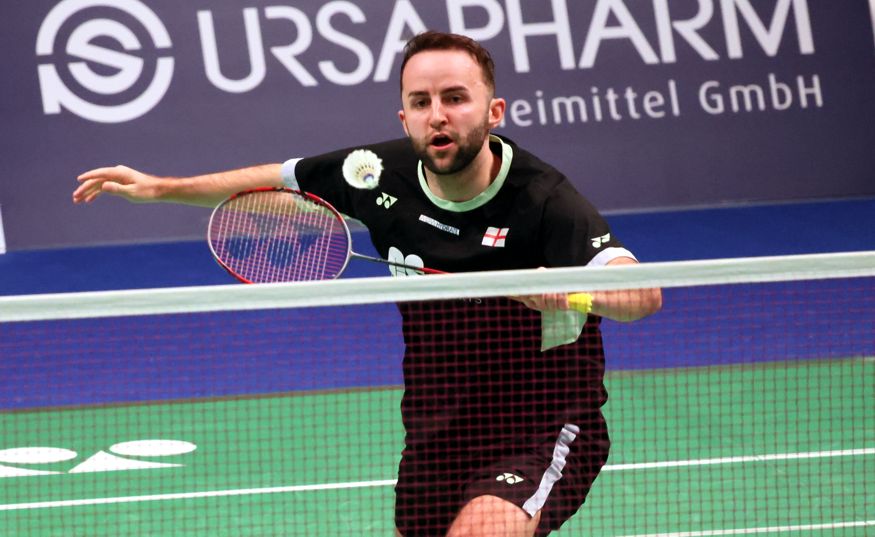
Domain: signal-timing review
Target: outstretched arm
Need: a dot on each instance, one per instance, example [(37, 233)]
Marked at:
[(621, 305), (204, 190)]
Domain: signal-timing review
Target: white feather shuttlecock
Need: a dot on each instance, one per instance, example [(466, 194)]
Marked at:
[(362, 169)]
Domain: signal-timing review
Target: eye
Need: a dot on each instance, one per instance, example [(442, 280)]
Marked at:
[(456, 98)]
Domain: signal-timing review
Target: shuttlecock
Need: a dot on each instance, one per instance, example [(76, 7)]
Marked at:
[(362, 169)]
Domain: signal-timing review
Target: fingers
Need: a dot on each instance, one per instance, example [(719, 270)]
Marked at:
[(554, 301), (94, 182), (117, 173), (91, 188), (94, 174), (548, 301), (544, 302), (87, 191)]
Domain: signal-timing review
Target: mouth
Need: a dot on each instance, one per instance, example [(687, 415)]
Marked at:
[(441, 142)]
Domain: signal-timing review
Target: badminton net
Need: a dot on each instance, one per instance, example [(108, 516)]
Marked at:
[(745, 406)]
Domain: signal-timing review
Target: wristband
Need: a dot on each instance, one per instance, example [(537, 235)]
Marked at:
[(581, 302)]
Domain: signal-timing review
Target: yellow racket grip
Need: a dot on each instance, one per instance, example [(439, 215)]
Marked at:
[(581, 302)]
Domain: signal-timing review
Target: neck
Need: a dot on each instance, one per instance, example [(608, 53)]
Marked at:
[(468, 183)]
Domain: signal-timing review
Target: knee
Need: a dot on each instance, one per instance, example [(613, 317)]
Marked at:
[(490, 516)]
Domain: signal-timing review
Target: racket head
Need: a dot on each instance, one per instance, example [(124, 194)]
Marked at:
[(268, 235)]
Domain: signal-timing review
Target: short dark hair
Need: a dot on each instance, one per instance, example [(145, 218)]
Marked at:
[(433, 40)]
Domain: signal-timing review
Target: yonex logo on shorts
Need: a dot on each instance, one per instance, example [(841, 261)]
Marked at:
[(509, 478)]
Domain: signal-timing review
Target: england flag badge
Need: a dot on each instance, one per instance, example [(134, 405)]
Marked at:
[(495, 237)]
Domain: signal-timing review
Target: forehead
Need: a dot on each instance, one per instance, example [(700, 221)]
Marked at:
[(434, 69)]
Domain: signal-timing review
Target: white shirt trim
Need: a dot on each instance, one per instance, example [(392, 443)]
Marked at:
[(609, 254), (288, 174)]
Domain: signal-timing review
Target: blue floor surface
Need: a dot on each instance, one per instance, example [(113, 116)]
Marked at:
[(784, 229), (205, 355)]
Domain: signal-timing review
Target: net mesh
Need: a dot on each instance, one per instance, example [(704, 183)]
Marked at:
[(745, 406)]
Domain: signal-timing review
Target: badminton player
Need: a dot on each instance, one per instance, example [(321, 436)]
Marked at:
[(502, 405)]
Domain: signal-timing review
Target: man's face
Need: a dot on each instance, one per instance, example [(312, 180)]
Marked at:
[(447, 109)]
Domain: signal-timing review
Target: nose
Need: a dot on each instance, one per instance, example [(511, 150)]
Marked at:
[(438, 114)]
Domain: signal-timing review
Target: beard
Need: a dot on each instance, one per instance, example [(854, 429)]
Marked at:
[(466, 150)]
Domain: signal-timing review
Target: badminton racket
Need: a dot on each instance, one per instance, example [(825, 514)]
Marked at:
[(268, 235)]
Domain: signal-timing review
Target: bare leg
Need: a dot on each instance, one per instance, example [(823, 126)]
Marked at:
[(491, 516)]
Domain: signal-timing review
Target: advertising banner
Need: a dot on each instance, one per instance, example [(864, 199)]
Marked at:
[(644, 104)]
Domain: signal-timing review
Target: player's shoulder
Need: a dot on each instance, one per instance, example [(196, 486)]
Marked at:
[(392, 153), (393, 158), (395, 154), (530, 173), (398, 161)]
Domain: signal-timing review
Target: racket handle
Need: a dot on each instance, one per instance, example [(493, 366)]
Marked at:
[(581, 302)]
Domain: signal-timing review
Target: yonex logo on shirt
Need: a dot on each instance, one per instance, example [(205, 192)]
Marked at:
[(386, 200), (598, 242), (495, 237)]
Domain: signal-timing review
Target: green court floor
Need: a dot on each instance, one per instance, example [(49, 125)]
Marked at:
[(768, 449)]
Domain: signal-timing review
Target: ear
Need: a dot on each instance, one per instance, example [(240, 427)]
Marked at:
[(497, 107), (403, 122)]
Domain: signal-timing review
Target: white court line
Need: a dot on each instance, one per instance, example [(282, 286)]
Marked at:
[(191, 495), (770, 529), (391, 482), (748, 458)]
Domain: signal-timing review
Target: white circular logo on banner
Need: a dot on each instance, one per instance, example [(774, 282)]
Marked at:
[(119, 70)]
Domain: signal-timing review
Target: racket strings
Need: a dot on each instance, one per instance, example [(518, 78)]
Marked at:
[(279, 236), (310, 267)]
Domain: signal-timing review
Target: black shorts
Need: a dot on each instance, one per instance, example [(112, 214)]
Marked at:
[(552, 476)]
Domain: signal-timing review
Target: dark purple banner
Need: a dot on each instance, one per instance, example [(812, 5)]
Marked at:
[(644, 104)]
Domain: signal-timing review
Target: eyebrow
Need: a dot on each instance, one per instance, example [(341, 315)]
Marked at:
[(451, 89)]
